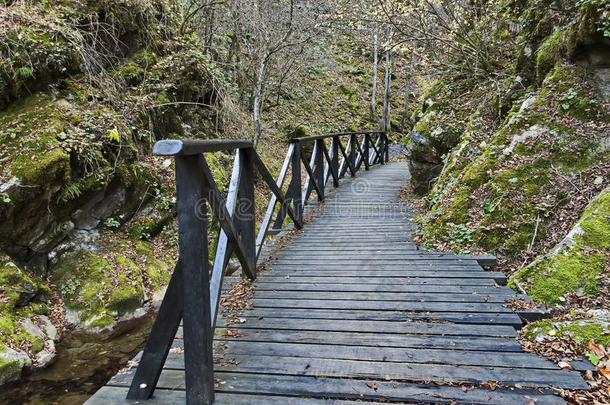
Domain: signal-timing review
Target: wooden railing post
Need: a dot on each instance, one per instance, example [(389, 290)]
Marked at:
[(245, 214), (335, 160), (352, 152), (386, 149), (365, 152), (381, 150), (294, 189), (193, 248), (319, 168)]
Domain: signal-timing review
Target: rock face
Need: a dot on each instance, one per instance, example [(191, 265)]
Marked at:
[(80, 204), (507, 189), (27, 336), (424, 164), (435, 133), (575, 264)]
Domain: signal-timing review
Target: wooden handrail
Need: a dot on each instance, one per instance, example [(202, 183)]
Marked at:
[(174, 147), (332, 135), (193, 293)]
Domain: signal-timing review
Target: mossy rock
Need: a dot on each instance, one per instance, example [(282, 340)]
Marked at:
[(24, 297), (92, 287), (51, 167), (101, 287), (19, 288), (575, 265), (513, 172), (580, 331), (12, 363), (550, 52)]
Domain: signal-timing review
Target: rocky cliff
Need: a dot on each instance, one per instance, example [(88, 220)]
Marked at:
[(520, 167)]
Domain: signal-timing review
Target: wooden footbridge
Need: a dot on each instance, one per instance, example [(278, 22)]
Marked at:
[(348, 311)]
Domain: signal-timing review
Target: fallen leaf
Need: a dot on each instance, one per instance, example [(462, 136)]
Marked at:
[(605, 372), (372, 385), (596, 349), (564, 365)]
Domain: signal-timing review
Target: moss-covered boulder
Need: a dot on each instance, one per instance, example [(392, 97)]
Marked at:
[(103, 286), (506, 193), (26, 335), (438, 127), (592, 325), (573, 266)]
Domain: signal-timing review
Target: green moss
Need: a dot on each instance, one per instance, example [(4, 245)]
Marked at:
[(19, 288), (24, 297), (582, 333), (133, 72), (90, 285), (142, 228), (575, 267), (12, 334), (10, 370), (551, 278), (45, 168), (103, 288), (595, 223), (579, 331), (550, 52), (158, 270)]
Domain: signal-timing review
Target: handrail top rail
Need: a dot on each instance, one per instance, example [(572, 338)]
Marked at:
[(332, 135), (176, 147)]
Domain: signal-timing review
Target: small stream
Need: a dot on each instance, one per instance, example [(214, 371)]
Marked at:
[(84, 363)]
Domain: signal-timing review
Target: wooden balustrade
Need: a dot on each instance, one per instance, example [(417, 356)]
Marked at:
[(193, 294)]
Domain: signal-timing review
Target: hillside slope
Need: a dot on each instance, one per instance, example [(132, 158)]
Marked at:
[(520, 168)]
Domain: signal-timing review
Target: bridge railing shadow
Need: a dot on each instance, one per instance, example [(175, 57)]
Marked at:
[(193, 294)]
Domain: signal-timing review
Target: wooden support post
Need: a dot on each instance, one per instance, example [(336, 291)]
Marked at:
[(387, 146), (347, 162), (381, 151), (309, 180), (334, 164), (365, 152), (294, 189), (319, 169), (245, 213), (352, 152), (193, 248)]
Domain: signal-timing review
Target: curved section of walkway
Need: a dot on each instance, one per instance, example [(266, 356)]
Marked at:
[(351, 312)]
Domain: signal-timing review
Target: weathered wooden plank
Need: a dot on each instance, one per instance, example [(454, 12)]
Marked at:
[(454, 317), (330, 388), (342, 262), (384, 327), (403, 371), (400, 274), (380, 305), (381, 296), (269, 277), (305, 285), (380, 340), (116, 395), (384, 354)]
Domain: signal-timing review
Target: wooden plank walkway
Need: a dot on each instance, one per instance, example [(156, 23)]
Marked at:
[(351, 312)]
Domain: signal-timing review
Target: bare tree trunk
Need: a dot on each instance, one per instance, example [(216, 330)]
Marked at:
[(375, 66), (257, 103), (385, 125)]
